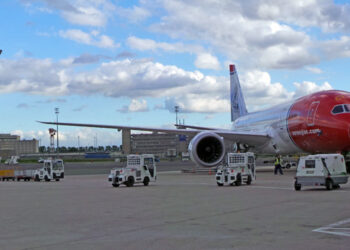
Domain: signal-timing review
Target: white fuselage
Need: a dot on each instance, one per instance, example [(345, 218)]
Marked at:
[(273, 122)]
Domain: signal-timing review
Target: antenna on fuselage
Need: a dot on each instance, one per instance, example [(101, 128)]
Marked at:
[(238, 107)]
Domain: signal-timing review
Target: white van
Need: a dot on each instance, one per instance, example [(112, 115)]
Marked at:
[(321, 170)]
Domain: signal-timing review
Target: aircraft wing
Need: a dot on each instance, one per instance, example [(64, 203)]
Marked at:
[(250, 138), (194, 127)]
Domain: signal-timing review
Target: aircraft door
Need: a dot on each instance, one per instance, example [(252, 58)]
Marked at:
[(312, 113)]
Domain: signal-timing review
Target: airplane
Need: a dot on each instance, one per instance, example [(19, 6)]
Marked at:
[(316, 123)]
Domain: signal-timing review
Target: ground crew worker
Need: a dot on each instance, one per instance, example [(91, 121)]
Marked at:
[(278, 166)]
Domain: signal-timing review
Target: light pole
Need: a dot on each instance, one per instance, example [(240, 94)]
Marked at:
[(176, 111), (57, 111)]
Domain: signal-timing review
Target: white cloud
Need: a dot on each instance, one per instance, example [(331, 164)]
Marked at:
[(267, 34), (137, 79), (326, 14), (336, 48), (105, 137), (138, 106), (198, 103), (270, 35), (29, 135), (93, 13), (135, 14), (93, 38), (260, 92), (237, 33), (149, 44), (204, 60), (306, 88), (207, 61), (88, 16), (314, 70), (135, 106)]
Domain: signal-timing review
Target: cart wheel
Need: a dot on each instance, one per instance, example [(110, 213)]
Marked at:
[(249, 181), (219, 184), (297, 186), (329, 184), (130, 182), (336, 186), (239, 181), (47, 178), (146, 181)]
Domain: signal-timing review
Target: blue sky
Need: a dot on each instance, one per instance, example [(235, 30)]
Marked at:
[(130, 62)]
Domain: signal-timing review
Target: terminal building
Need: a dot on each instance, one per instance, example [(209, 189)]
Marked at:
[(13, 145), (159, 144)]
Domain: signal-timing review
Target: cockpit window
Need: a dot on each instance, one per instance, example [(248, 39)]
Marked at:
[(341, 108), (338, 109), (347, 107)]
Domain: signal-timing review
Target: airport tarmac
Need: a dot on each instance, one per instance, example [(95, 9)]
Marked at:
[(104, 167), (180, 211)]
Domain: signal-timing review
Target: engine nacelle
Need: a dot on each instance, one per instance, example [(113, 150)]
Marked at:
[(207, 149)]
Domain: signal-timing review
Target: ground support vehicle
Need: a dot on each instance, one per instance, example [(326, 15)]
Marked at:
[(139, 169), (327, 170), (13, 160), (239, 168), (288, 164), (52, 169)]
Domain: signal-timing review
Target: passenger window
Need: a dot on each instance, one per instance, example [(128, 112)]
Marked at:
[(338, 109), (347, 107)]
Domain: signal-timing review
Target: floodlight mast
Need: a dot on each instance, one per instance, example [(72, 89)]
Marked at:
[(57, 111), (176, 111)]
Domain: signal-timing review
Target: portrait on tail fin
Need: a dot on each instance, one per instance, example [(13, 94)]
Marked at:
[(238, 107)]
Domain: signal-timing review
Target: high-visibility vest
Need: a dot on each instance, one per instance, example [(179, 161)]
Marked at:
[(277, 161)]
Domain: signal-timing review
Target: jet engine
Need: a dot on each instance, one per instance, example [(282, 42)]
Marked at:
[(207, 149)]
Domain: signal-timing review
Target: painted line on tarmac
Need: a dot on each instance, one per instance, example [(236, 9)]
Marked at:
[(336, 228)]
